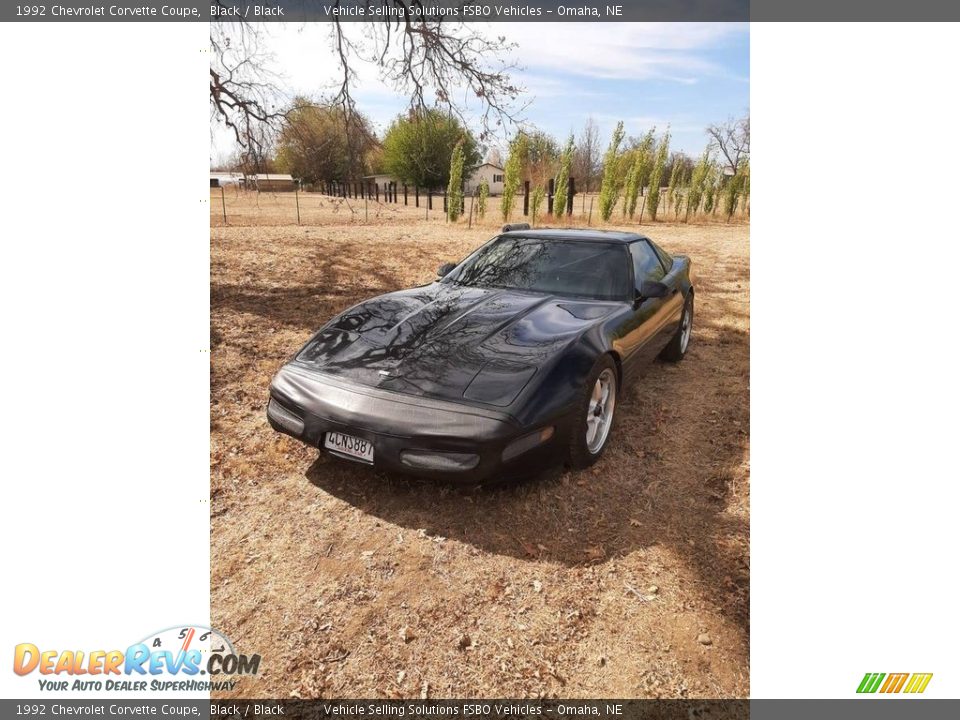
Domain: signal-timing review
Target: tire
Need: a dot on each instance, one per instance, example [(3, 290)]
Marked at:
[(582, 452), (680, 342)]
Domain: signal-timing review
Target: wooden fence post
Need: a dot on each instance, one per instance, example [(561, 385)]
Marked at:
[(296, 191), (405, 194), (526, 197), (416, 195), (223, 204), (550, 190), (571, 191)]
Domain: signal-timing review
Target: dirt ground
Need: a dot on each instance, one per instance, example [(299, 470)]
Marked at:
[(627, 580)]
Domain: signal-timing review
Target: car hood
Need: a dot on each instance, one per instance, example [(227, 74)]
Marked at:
[(450, 341)]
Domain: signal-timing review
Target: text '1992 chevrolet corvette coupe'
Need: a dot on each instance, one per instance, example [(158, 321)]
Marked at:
[(510, 359)]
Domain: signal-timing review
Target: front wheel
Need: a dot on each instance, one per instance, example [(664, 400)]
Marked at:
[(677, 348), (593, 416)]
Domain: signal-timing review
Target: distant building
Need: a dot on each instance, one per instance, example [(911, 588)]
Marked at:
[(381, 179), (220, 179), (271, 182), (493, 175)]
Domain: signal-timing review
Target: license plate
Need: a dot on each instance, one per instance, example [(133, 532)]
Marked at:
[(350, 446)]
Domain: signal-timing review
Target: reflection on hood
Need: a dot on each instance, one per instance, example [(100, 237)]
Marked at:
[(434, 340)]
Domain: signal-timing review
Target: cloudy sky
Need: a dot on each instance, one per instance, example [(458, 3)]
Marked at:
[(682, 74)]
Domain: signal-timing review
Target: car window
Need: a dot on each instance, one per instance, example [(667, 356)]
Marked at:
[(578, 269), (664, 256), (646, 265)]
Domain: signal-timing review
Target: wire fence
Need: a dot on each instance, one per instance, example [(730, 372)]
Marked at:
[(233, 205)]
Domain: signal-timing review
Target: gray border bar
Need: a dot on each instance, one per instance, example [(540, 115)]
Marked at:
[(483, 10), (374, 10), (873, 708)]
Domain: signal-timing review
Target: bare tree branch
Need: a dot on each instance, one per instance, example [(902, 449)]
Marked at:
[(437, 63), (732, 140), (244, 96)]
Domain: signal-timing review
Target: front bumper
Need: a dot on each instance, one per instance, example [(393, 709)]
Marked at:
[(306, 405)]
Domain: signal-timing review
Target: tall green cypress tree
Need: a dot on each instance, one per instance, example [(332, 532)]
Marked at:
[(483, 192), (536, 200), (610, 184), (698, 183), (638, 174), (455, 187), (511, 174), (656, 175), (563, 179)]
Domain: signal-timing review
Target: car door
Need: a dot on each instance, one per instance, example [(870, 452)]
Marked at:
[(647, 330), (673, 303)]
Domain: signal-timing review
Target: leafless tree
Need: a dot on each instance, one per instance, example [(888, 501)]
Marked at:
[(430, 60), (435, 62), (244, 95), (587, 156), (732, 140)]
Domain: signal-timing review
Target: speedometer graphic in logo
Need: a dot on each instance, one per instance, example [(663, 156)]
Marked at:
[(198, 649)]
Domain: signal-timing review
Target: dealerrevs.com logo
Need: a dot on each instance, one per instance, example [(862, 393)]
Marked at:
[(181, 659), (910, 683)]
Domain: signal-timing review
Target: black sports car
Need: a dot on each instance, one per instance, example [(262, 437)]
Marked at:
[(510, 359)]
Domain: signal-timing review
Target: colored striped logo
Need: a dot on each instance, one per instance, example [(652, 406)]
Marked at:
[(894, 682)]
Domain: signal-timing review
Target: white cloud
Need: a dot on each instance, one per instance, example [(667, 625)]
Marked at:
[(636, 51)]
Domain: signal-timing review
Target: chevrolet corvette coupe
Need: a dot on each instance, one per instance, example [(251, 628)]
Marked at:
[(511, 359)]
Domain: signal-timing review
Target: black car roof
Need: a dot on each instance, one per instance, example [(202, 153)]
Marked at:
[(617, 236)]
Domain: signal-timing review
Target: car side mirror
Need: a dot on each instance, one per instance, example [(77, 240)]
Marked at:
[(445, 268), (650, 289)]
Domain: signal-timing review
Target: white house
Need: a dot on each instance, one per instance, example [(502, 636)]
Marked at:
[(492, 173), (381, 179)]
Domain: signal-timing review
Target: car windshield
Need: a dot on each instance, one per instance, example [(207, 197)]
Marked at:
[(596, 270)]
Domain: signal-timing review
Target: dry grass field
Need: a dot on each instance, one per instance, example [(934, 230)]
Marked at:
[(627, 580)]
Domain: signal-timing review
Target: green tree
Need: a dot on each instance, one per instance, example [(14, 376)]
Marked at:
[(511, 174), (610, 184), (656, 175), (563, 179), (710, 190), (314, 144), (676, 179), (698, 182), (642, 156), (536, 200), (731, 192), (455, 187), (418, 148), (483, 192)]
